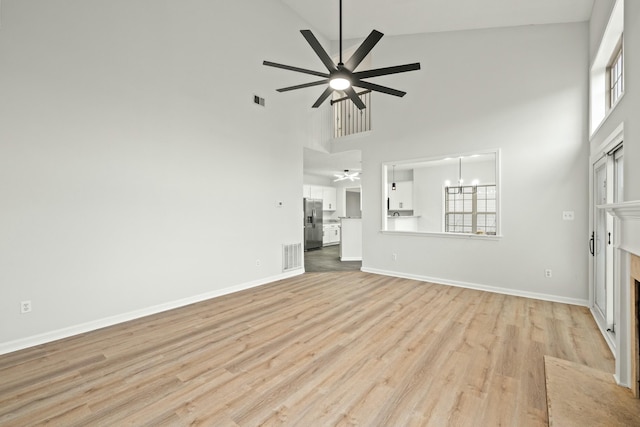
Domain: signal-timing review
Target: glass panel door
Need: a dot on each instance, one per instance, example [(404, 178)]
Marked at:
[(607, 188), (599, 237)]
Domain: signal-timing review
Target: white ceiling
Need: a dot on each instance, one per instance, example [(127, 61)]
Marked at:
[(317, 163), (395, 17)]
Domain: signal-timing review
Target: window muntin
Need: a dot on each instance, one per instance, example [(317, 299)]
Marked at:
[(470, 209), (616, 77)]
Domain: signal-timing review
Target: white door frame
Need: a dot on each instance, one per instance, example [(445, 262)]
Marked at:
[(605, 151)]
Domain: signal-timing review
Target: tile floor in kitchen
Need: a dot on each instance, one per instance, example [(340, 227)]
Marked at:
[(327, 258)]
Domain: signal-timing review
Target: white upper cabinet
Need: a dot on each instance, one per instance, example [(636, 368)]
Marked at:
[(316, 192), (329, 197), (327, 194)]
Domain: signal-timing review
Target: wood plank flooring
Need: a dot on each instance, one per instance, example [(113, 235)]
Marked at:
[(581, 396), (320, 349)]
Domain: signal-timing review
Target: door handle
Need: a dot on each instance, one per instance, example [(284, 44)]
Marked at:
[(609, 238), (591, 243)]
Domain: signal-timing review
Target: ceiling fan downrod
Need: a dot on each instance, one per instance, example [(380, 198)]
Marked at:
[(340, 62)]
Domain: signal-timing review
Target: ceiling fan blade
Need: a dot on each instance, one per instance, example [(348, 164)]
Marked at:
[(378, 88), (299, 70), (319, 50), (324, 96), (363, 50), (351, 93), (387, 70), (302, 86)]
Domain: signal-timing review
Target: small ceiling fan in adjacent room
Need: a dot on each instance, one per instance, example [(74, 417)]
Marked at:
[(351, 176), (343, 76)]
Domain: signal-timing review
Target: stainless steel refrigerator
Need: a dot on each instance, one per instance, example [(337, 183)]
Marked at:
[(312, 223)]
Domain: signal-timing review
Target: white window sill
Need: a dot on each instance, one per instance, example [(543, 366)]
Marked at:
[(445, 235), (606, 116)]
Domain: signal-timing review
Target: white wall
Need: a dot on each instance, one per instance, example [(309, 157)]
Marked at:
[(632, 110), (310, 179), (598, 23), (523, 90), (135, 171)]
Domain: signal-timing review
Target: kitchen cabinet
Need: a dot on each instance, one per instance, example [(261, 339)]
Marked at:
[(316, 192), (331, 234), (327, 194), (329, 197), (401, 199)]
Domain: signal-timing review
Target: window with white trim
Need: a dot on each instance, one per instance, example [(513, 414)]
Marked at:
[(616, 76), (470, 209), (606, 77)]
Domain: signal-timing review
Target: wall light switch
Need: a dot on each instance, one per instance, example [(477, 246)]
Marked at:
[(567, 215), (25, 307)]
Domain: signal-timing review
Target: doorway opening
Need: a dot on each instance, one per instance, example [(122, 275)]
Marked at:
[(325, 177), (353, 202)]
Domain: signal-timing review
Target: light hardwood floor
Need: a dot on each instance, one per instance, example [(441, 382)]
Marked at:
[(319, 349)]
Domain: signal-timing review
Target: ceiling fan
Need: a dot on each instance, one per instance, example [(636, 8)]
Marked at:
[(351, 176), (342, 76)]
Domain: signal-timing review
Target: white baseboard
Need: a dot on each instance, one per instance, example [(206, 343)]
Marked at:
[(46, 337), (479, 287), (605, 334), (353, 258)]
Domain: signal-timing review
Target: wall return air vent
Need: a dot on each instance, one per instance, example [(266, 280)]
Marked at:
[(291, 256)]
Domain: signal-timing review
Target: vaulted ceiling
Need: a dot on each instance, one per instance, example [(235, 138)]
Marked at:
[(399, 17), (423, 16)]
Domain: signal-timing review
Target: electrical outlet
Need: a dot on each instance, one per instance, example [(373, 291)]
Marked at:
[(568, 215), (547, 273), (258, 263), (25, 307), (394, 257)]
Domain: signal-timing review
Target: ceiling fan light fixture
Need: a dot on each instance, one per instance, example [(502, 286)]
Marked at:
[(339, 83), (346, 175)]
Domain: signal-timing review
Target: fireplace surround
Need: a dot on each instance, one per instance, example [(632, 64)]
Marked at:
[(635, 324), (627, 238)]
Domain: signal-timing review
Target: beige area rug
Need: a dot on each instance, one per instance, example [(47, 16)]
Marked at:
[(581, 396)]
